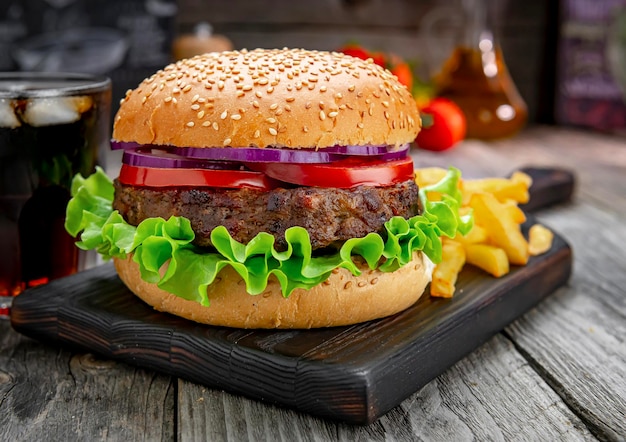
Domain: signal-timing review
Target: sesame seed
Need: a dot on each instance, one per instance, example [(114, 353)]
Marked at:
[(143, 100), (323, 89), (257, 133), (240, 93), (216, 126), (201, 114), (258, 94), (247, 88), (338, 95), (270, 90), (195, 106), (360, 125), (271, 120), (224, 115), (195, 98), (386, 115), (274, 106), (308, 105), (322, 115), (333, 114), (174, 100), (175, 90), (305, 129), (273, 131), (255, 104), (289, 99), (385, 103), (227, 141), (236, 117), (370, 111), (206, 123), (220, 85), (191, 124)]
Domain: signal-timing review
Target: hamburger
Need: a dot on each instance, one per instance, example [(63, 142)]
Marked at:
[(267, 189)]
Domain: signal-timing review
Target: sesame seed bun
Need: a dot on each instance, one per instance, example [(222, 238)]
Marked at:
[(278, 98), (285, 98), (343, 299)]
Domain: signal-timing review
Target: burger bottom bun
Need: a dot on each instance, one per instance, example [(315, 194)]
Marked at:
[(343, 299)]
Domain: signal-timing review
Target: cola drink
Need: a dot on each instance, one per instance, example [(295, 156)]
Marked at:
[(52, 126)]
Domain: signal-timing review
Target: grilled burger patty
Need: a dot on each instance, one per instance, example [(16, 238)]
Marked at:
[(329, 215)]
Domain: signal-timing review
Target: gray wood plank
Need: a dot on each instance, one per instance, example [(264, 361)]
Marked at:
[(576, 340), (52, 394), (491, 395)]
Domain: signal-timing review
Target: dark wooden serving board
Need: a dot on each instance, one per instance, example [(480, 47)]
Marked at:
[(354, 374)]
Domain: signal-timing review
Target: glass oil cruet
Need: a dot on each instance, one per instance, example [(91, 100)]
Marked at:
[(476, 78)]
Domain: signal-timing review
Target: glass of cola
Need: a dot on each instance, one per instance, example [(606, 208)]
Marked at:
[(52, 126)]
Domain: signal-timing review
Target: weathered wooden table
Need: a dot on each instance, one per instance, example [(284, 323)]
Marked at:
[(558, 373)]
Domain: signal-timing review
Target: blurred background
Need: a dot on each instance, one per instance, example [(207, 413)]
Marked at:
[(565, 57)]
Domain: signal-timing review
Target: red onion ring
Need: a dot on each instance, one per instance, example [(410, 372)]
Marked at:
[(160, 159), (274, 155)]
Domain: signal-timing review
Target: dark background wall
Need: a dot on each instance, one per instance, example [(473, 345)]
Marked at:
[(527, 31)]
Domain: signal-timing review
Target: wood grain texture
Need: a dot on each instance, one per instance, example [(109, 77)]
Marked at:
[(353, 374), (493, 394), (47, 393)]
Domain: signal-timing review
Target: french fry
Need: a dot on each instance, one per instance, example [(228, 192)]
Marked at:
[(501, 188), (539, 239), (502, 229), (496, 240), (477, 235), (429, 175), (447, 271), (521, 177), (515, 212), (492, 260)]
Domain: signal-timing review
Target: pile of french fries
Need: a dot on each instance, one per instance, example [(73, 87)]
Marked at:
[(496, 241)]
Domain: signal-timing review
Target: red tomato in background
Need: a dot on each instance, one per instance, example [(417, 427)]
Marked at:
[(444, 125), (393, 62), (379, 58), (404, 73), (355, 51)]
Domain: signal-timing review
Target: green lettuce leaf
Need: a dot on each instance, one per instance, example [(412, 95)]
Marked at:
[(190, 270)]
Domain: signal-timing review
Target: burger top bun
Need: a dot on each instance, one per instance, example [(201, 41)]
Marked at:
[(283, 98)]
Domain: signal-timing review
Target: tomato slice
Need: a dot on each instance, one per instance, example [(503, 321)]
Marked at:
[(344, 174), (172, 177)]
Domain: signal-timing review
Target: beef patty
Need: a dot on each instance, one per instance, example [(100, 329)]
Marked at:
[(330, 216)]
